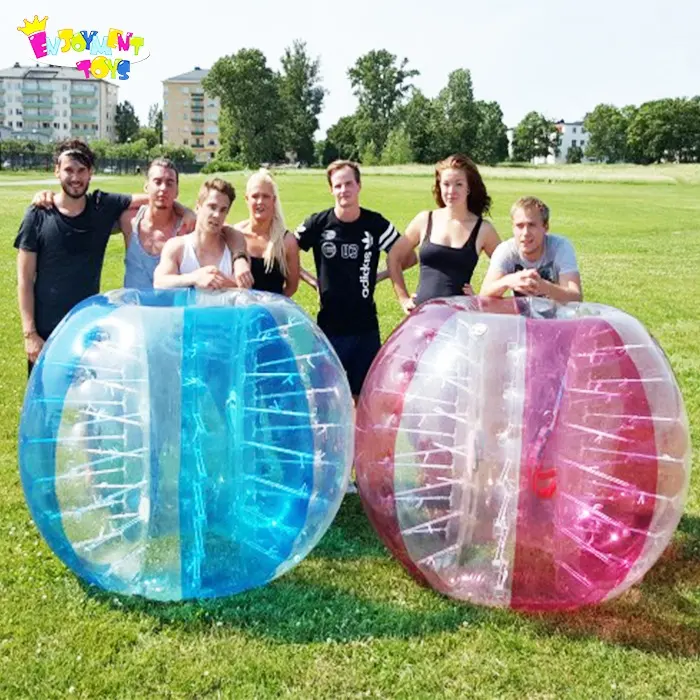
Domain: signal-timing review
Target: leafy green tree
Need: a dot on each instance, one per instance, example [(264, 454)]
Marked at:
[(249, 92), (155, 120), (179, 154), (302, 98), (369, 154), (126, 123), (491, 145), (397, 149), (380, 85), (426, 127), (535, 136), (607, 134), (149, 135), (665, 130), (460, 111), (574, 154), (341, 141)]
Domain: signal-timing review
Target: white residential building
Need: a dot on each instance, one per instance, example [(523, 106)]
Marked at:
[(48, 104)]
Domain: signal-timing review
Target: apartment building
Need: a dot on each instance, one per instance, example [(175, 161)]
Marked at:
[(191, 118), (45, 103)]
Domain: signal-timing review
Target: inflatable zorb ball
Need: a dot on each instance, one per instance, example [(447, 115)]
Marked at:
[(184, 444), (522, 454)]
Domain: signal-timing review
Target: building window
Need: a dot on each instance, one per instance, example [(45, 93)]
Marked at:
[(574, 131), (56, 125), (186, 142), (186, 90), (573, 143), (65, 126), (212, 142), (9, 123), (582, 143), (583, 131), (65, 87)]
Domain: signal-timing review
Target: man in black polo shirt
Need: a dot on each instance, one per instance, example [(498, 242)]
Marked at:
[(60, 249), (346, 242)]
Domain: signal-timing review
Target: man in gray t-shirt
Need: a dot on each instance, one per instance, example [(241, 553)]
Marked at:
[(533, 262)]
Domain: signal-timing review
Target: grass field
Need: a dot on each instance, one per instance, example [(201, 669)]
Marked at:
[(348, 622)]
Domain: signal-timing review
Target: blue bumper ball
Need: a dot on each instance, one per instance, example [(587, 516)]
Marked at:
[(184, 444)]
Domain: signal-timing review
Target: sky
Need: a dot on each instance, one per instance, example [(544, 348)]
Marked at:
[(554, 57)]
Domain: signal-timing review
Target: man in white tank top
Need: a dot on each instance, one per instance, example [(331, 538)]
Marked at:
[(201, 259)]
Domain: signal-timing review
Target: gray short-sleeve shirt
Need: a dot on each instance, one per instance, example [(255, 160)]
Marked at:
[(557, 259)]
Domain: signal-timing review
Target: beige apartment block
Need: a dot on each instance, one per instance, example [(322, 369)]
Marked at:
[(191, 118), (46, 103)]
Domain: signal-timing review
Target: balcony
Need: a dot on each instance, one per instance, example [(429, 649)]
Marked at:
[(37, 90), (83, 90), (199, 120), (198, 108), (37, 101), (83, 118), (88, 104), (197, 132)]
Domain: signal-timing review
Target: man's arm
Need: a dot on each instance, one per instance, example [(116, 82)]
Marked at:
[(167, 273), (567, 289), (235, 240), (26, 275)]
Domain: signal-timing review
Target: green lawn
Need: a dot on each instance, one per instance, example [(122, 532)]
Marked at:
[(348, 622)]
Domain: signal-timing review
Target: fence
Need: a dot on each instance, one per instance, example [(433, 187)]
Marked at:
[(116, 166)]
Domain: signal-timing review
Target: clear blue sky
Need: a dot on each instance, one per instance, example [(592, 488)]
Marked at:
[(558, 58)]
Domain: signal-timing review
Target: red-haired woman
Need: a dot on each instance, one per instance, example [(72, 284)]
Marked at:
[(450, 237)]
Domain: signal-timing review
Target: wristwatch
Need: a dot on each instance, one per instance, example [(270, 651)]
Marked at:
[(240, 254)]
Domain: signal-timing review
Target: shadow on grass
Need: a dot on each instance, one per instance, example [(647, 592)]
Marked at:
[(658, 616), (661, 615)]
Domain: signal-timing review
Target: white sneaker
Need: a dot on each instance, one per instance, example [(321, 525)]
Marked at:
[(352, 487)]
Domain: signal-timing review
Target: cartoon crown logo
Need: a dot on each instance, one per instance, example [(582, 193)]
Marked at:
[(36, 25)]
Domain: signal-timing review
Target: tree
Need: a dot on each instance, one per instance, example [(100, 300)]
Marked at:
[(667, 130), (369, 155), (341, 140), (574, 154), (491, 145), (148, 135), (126, 123), (607, 134), (535, 136), (250, 100), (155, 120), (380, 85), (425, 125), (397, 149), (302, 98), (461, 114), (179, 154)]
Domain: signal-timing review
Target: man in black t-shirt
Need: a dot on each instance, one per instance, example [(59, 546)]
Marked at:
[(347, 241), (60, 250)]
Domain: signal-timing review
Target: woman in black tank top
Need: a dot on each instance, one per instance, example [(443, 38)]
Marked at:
[(451, 237), (274, 255)]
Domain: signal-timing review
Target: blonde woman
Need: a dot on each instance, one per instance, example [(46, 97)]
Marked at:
[(274, 253)]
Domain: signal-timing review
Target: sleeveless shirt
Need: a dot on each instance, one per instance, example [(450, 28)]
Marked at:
[(139, 264), (444, 270), (272, 281), (189, 258)]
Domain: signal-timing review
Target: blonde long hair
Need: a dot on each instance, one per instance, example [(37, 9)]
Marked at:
[(278, 229)]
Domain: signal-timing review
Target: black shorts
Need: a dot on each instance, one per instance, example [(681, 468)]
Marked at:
[(356, 352)]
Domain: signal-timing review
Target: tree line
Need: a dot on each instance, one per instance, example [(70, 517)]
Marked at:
[(267, 115)]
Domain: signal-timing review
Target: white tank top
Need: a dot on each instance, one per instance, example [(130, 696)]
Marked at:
[(189, 258)]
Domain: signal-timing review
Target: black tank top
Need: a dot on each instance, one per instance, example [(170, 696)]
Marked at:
[(272, 281), (445, 270)]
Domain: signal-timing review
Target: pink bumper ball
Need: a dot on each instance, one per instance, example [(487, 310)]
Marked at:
[(523, 454)]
